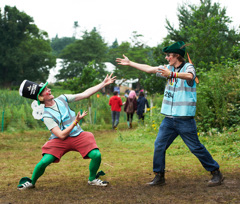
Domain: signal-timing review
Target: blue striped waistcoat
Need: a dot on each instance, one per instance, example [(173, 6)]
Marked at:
[(179, 98), (64, 118)]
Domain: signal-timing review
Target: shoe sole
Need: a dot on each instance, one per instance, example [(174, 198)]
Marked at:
[(23, 189), (216, 184), (97, 185), (157, 184)]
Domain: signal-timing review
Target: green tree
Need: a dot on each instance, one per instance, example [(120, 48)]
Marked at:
[(206, 28), (25, 51), (77, 55), (58, 44)]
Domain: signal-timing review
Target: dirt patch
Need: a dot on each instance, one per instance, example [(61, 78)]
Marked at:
[(177, 190)]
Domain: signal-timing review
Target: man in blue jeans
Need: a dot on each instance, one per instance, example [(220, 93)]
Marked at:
[(179, 107)]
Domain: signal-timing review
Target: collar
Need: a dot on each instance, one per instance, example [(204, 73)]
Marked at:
[(181, 65)]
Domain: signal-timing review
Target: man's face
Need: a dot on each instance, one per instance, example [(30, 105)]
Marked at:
[(171, 58), (46, 94)]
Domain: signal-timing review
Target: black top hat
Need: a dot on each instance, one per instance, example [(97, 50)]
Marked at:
[(31, 89)]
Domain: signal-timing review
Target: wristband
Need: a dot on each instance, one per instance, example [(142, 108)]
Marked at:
[(75, 122), (174, 74)]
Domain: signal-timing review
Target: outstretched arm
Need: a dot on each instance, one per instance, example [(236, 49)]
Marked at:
[(143, 67), (87, 93)]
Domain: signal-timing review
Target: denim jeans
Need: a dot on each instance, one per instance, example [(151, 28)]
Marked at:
[(169, 129), (115, 118)]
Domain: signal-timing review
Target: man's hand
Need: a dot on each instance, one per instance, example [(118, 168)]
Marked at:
[(81, 116), (109, 79), (124, 61), (164, 72)]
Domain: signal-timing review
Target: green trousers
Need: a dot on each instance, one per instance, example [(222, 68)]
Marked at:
[(47, 159)]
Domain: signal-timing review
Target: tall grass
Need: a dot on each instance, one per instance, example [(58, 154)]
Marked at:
[(17, 111)]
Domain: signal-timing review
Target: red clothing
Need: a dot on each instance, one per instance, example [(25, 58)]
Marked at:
[(83, 143), (115, 102)]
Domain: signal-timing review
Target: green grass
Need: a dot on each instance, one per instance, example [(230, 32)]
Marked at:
[(126, 160)]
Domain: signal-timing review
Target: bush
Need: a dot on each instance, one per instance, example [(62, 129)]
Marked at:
[(219, 96)]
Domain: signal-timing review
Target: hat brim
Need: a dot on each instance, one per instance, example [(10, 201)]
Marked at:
[(40, 91)]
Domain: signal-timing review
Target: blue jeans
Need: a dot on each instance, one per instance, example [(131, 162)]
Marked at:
[(115, 118), (169, 129)]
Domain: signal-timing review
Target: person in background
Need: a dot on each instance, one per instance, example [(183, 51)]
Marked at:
[(179, 108), (115, 102), (141, 103), (126, 93), (66, 133), (130, 107)]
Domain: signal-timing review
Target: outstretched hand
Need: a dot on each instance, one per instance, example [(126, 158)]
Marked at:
[(81, 116), (123, 61), (109, 79), (164, 72)]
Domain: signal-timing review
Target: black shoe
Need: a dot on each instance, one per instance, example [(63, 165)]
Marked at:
[(158, 180), (217, 178)]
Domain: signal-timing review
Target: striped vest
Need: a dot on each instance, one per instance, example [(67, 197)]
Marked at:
[(179, 98), (64, 117)]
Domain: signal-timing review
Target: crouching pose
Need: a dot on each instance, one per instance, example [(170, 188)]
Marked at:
[(66, 133)]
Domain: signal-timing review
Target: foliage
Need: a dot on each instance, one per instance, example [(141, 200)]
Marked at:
[(87, 79), (219, 96), (206, 28), (25, 51), (58, 44), (137, 52), (78, 54)]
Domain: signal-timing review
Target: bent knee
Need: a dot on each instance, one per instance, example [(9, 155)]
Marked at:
[(95, 154)]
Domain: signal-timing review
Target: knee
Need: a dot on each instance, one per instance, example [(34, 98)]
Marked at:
[(96, 155), (197, 149), (43, 164)]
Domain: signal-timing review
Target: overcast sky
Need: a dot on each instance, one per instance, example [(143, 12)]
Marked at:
[(114, 19)]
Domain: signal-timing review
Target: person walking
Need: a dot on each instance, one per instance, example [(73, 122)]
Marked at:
[(142, 102), (66, 133), (130, 107), (179, 108), (116, 103)]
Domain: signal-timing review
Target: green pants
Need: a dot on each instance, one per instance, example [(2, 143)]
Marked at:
[(47, 159)]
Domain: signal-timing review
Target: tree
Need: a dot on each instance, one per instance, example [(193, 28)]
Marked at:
[(136, 51), (58, 44), (25, 51), (206, 28), (77, 55), (87, 79)]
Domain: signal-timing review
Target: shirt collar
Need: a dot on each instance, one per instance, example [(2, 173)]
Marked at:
[(181, 65)]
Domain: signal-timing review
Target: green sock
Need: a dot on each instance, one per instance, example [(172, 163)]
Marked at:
[(95, 162), (41, 166), (128, 123)]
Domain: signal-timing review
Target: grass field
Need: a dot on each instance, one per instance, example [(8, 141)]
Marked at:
[(127, 161)]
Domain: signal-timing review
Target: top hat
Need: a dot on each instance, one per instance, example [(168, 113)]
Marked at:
[(178, 47), (31, 89)]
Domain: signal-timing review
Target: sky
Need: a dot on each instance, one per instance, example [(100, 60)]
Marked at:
[(113, 19)]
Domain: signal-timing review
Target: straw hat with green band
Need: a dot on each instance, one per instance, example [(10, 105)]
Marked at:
[(31, 89)]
